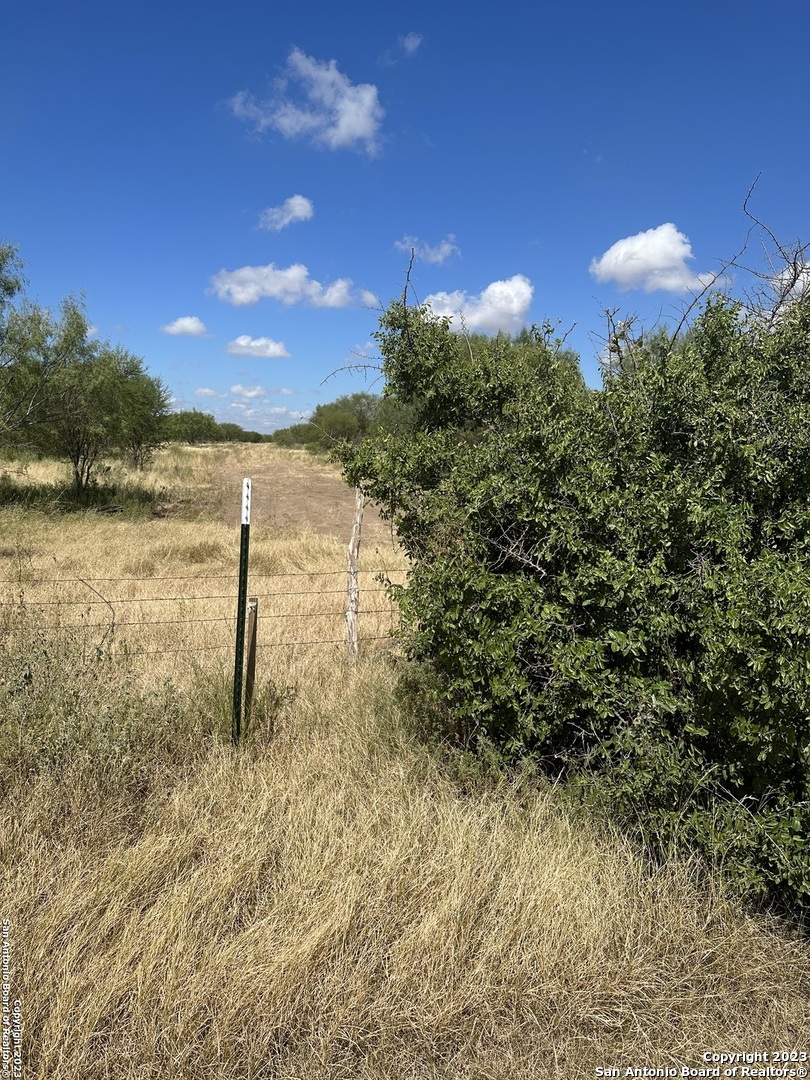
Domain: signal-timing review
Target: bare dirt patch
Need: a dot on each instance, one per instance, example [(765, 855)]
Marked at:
[(291, 490)]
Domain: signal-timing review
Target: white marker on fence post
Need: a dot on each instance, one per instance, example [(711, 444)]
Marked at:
[(241, 607), (352, 585)]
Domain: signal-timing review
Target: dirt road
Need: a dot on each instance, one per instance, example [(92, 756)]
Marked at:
[(293, 490)]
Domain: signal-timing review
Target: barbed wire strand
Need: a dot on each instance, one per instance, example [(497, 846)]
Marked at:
[(163, 599), (192, 622), (23, 604), (266, 645)]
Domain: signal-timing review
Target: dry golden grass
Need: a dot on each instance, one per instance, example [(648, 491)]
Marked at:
[(163, 589), (328, 901), (166, 591)]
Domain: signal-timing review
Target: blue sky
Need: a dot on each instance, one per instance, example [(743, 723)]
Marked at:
[(236, 188)]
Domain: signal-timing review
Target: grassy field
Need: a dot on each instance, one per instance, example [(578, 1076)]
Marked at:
[(336, 898)]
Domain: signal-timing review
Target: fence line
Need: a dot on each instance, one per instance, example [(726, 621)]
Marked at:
[(16, 609), (259, 645), (164, 599), (212, 618)]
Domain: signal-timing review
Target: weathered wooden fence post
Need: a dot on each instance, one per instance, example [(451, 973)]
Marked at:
[(352, 584), (250, 672), (241, 606)]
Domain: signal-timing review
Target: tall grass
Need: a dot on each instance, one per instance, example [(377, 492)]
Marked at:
[(329, 900)]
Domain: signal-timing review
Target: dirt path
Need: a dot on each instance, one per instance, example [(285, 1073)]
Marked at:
[(292, 490)]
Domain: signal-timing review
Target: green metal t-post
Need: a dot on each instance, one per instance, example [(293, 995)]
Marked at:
[(241, 608)]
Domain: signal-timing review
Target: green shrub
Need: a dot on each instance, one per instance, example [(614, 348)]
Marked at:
[(615, 582)]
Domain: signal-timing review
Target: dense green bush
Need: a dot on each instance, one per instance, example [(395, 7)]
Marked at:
[(191, 426), (352, 418), (615, 582)]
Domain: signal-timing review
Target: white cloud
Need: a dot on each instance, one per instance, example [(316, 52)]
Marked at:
[(333, 112), (253, 412), (296, 208), (186, 324), (793, 283), (270, 417), (245, 345), (502, 305), (291, 285), (206, 391), (248, 391), (410, 43), (439, 253), (651, 260)]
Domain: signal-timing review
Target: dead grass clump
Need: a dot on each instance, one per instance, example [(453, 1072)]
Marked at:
[(194, 553), (327, 904)]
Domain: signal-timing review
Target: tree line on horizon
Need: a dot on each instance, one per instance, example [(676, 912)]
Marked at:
[(66, 395)]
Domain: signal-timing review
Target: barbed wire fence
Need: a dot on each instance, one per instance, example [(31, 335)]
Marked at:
[(45, 616), (126, 617)]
